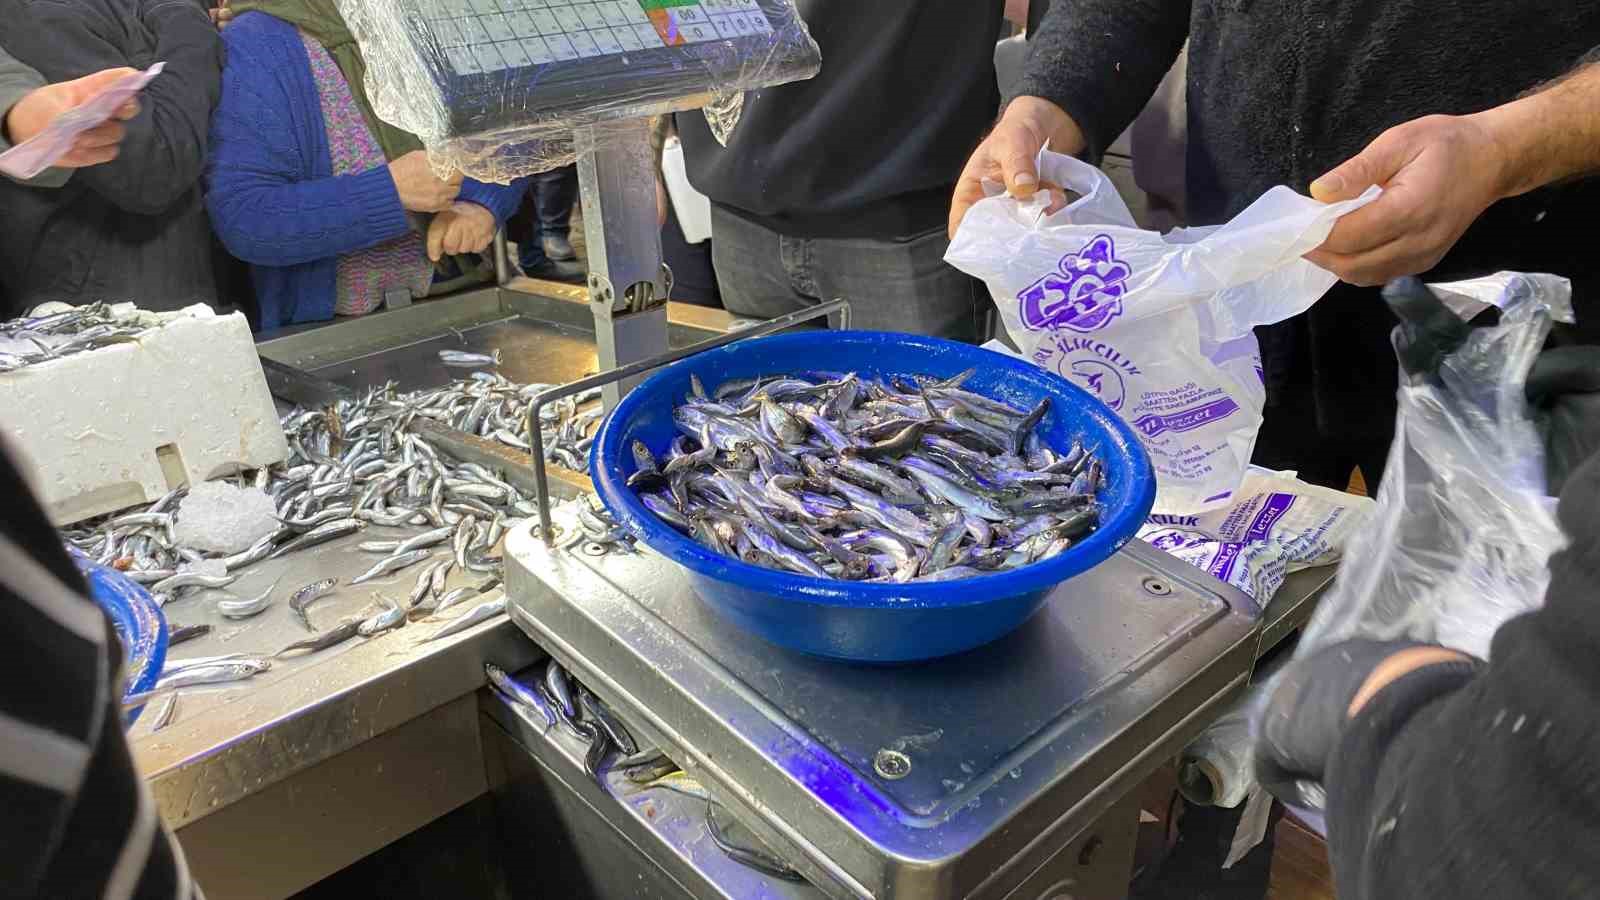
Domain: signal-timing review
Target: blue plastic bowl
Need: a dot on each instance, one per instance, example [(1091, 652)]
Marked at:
[(880, 623), (138, 622)]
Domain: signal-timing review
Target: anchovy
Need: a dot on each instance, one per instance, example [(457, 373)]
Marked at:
[(219, 673), (679, 782), (320, 535), (300, 600), (393, 615), (555, 681), (476, 615), (518, 694), (423, 584), (425, 539), (166, 714), (237, 608), (333, 637), (177, 634), (608, 722), (467, 360), (392, 564), (191, 579)]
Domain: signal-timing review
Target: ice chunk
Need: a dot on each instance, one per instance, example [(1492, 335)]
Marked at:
[(220, 518)]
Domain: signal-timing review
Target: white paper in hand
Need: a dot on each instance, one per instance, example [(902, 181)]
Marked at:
[(44, 149), (1157, 326)]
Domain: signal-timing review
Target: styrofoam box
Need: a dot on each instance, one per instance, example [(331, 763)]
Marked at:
[(122, 425)]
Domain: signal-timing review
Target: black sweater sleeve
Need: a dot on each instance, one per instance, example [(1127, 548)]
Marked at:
[(1453, 785), (79, 820), (1101, 60), (165, 147)]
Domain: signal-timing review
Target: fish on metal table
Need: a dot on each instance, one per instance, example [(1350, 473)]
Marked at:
[(333, 637), (232, 607), (483, 612), (216, 673), (300, 600)]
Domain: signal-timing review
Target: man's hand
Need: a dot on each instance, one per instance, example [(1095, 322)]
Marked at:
[(462, 228), (38, 109), (1314, 698), (420, 190), (1007, 155), (1438, 173), (221, 15)]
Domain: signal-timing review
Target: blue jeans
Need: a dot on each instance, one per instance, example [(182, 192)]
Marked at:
[(892, 285), (546, 210)]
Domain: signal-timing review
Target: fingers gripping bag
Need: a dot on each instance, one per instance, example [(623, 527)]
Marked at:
[(1157, 326)]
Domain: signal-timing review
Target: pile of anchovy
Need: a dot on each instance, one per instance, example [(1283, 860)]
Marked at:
[(352, 464), (492, 406), (853, 477), (557, 699), (28, 341)]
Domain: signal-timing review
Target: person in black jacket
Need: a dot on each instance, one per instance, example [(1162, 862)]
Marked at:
[(133, 228), (1419, 97), (837, 186)]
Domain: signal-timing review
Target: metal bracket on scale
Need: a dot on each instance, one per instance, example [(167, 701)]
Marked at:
[(628, 284)]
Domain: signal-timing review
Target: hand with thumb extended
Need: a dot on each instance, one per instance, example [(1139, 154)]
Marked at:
[(1438, 174)]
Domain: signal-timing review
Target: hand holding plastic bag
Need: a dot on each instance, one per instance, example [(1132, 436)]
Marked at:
[(1157, 326), (1464, 527)]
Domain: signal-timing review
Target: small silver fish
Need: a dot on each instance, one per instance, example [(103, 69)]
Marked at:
[(424, 582), (393, 615), (301, 599), (476, 615), (518, 693), (334, 636), (166, 714), (219, 673), (468, 360), (238, 608), (191, 579), (391, 564), (555, 681), (454, 597)]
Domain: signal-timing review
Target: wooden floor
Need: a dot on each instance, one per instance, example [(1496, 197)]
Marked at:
[(1299, 865)]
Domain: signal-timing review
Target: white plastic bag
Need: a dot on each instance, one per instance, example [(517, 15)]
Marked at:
[(1158, 326), (1464, 529), (1276, 524)]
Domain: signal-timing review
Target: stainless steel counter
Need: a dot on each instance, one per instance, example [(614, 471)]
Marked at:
[(323, 734), (278, 781)]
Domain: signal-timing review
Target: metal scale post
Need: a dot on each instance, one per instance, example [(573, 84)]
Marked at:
[(627, 288)]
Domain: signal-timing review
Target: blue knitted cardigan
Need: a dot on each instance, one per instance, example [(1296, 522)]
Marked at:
[(270, 188)]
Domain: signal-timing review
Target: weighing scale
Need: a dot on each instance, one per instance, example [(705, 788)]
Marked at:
[(965, 776), (975, 775)]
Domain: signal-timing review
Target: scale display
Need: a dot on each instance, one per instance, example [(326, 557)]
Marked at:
[(505, 64), (480, 36)]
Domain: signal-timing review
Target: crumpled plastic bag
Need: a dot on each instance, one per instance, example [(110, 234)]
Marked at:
[(1157, 326), (1464, 528), (1275, 525)]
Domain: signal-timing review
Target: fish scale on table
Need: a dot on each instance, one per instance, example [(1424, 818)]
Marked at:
[(846, 476)]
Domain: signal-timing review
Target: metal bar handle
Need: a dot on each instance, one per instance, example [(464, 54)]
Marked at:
[(536, 433)]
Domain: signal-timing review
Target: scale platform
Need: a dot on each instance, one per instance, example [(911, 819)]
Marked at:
[(957, 777)]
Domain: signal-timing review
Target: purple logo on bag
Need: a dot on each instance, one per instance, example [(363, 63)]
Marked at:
[(1084, 296), (1152, 425), (1101, 379)]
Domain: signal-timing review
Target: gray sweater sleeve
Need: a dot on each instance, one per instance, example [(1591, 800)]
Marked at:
[(16, 82), (1100, 60)]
